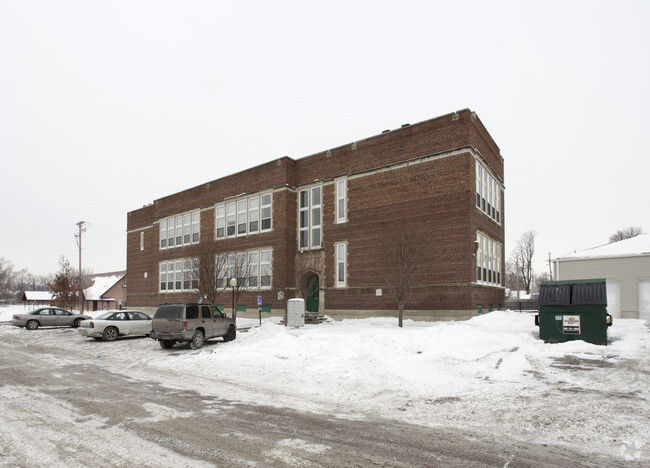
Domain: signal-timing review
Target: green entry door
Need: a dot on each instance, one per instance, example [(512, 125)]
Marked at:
[(312, 297)]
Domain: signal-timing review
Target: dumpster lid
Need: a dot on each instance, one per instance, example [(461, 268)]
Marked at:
[(577, 292)]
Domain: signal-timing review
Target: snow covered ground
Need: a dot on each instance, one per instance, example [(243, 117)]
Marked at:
[(488, 374)]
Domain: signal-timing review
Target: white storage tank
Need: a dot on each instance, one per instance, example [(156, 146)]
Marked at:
[(296, 313)]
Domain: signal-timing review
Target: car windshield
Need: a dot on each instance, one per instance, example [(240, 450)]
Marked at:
[(105, 315)]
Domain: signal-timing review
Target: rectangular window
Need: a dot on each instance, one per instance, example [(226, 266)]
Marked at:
[(265, 268), (170, 276), (341, 254), (241, 269), (488, 261), (266, 212), (315, 217), (253, 215), (187, 274), (163, 276), (230, 267), (141, 241), (163, 234), (196, 226), (253, 269), (241, 217), (179, 275), (187, 229), (221, 221), (220, 267), (170, 232), (179, 231), (303, 219), (341, 201), (230, 219), (488, 193)]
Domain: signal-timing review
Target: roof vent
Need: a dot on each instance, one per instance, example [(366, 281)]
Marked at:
[(455, 116), (386, 131), (406, 125)]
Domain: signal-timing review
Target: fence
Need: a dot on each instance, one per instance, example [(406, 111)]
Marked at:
[(527, 305)]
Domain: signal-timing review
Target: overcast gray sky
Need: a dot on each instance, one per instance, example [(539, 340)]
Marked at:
[(106, 106)]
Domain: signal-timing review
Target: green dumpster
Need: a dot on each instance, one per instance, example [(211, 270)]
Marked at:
[(573, 310)]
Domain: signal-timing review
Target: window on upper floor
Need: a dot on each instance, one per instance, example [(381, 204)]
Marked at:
[(244, 216), (341, 201), (180, 230), (488, 193), (310, 217)]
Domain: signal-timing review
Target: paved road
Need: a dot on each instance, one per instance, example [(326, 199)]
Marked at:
[(59, 410)]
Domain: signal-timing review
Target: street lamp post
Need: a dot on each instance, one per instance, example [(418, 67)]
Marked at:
[(233, 285)]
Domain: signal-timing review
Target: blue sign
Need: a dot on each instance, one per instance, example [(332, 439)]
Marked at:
[(259, 301)]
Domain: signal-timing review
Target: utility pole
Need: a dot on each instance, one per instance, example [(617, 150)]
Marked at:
[(82, 228), (550, 270)]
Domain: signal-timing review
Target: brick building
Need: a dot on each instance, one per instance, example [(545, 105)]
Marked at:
[(320, 224)]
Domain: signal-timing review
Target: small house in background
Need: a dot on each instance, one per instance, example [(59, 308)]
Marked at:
[(626, 267), (35, 299), (106, 292)]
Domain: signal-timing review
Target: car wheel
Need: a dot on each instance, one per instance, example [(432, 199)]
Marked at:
[(110, 334), (166, 344), (231, 334), (32, 325), (197, 340), (76, 323)]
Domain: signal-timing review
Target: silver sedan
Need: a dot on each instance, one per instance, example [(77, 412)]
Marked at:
[(112, 324), (48, 317)]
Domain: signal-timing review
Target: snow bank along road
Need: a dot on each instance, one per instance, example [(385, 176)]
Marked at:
[(70, 401)]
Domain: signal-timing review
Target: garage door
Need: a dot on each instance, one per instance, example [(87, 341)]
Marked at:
[(614, 298), (644, 300)]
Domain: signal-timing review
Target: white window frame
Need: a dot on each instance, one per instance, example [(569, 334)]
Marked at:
[(341, 249), (253, 215), (341, 201), (488, 193), (310, 218), (231, 219), (242, 217), (180, 230), (303, 219), (220, 221), (178, 275), (488, 261), (141, 241), (266, 211)]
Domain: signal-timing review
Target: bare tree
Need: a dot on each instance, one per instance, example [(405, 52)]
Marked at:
[(401, 262), (205, 263), (310, 271), (626, 233), (523, 255), (6, 273)]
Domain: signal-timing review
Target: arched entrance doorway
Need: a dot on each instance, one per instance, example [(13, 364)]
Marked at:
[(312, 288)]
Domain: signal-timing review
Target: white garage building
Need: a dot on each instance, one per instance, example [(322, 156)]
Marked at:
[(626, 267)]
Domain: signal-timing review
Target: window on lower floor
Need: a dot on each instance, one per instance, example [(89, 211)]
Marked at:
[(341, 264), (252, 269), (179, 275), (488, 260)]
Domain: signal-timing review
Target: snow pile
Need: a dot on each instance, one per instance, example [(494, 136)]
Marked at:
[(489, 373)]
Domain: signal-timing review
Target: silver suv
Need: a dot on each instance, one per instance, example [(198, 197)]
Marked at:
[(193, 323)]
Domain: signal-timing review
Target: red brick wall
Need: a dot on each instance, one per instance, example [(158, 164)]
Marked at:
[(435, 197)]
